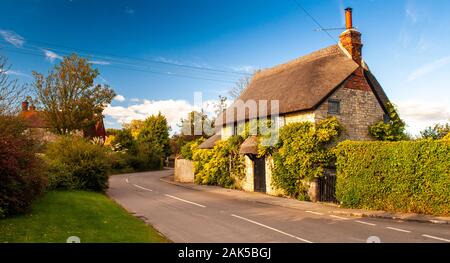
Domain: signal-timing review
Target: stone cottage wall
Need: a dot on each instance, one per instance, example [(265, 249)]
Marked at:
[(359, 108)]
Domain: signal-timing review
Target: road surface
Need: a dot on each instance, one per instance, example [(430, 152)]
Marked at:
[(186, 215)]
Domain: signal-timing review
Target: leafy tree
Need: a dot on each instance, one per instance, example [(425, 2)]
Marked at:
[(392, 130), (135, 127), (10, 92), (155, 135), (69, 98), (437, 132), (124, 141)]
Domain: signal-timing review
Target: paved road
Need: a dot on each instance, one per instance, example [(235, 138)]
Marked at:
[(185, 215)]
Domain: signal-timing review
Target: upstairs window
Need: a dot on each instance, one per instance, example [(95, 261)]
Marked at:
[(334, 106)]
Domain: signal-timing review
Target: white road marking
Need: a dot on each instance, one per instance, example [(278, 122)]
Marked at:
[(182, 200), (126, 180), (437, 238), (316, 213), (365, 223), (143, 188), (338, 217), (271, 228), (398, 229)]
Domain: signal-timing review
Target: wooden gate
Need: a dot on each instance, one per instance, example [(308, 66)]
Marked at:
[(259, 175), (327, 188)]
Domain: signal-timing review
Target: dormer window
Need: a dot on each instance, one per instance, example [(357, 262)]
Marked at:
[(334, 106)]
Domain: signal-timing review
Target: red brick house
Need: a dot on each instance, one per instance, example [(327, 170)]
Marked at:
[(38, 126)]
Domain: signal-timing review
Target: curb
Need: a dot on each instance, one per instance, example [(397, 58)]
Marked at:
[(377, 214)]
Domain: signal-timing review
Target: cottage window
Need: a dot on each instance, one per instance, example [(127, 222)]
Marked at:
[(386, 118), (334, 106)]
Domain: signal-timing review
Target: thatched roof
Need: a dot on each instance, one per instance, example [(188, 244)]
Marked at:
[(210, 142), (249, 146), (301, 84)]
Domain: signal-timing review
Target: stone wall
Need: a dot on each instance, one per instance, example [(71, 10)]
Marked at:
[(299, 117), (184, 171), (247, 183), (359, 108)]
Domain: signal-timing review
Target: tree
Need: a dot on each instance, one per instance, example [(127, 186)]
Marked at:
[(391, 130), (135, 127), (69, 98), (10, 92), (155, 135), (437, 132), (221, 105), (197, 124), (239, 87)]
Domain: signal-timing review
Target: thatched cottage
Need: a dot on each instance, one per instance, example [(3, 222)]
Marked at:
[(334, 81)]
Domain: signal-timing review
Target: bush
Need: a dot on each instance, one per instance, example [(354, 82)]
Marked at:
[(392, 130), (187, 150), (221, 165), (75, 163), (21, 179), (303, 152), (408, 176)]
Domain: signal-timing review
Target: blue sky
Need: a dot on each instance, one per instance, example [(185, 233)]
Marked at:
[(405, 44)]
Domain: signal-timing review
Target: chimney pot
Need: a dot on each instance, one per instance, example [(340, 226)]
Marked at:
[(348, 18), (25, 106)]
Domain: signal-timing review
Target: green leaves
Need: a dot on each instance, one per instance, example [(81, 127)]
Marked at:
[(302, 154), (407, 176), (222, 165), (69, 97), (393, 130)]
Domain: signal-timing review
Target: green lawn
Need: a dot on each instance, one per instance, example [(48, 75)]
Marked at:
[(91, 216)]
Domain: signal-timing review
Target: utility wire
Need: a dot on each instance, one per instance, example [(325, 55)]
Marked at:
[(314, 20), (112, 56), (39, 54)]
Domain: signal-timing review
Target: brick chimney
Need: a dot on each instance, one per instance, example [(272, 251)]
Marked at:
[(350, 39), (25, 106)]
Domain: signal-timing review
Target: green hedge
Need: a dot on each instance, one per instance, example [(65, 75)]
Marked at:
[(407, 176)]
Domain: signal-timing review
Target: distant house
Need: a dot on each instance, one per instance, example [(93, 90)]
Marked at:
[(334, 81), (39, 127)]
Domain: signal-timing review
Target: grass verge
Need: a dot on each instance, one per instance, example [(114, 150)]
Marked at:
[(92, 217)]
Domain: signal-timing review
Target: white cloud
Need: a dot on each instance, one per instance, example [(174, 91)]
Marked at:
[(119, 98), (16, 73), (135, 100), (173, 110), (100, 62), (12, 37), (421, 114), (429, 68), (51, 56)]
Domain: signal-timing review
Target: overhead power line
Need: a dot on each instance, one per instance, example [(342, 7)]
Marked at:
[(41, 54), (50, 46), (314, 20)]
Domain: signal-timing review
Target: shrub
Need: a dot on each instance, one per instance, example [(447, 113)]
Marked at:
[(408, 176), (188, 149), (221, 165), (392, 130), (303, 152), (75, 163), (21, 179)]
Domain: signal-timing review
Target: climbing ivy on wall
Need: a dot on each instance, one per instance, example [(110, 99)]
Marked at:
[(222, 165), (303, 152)]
